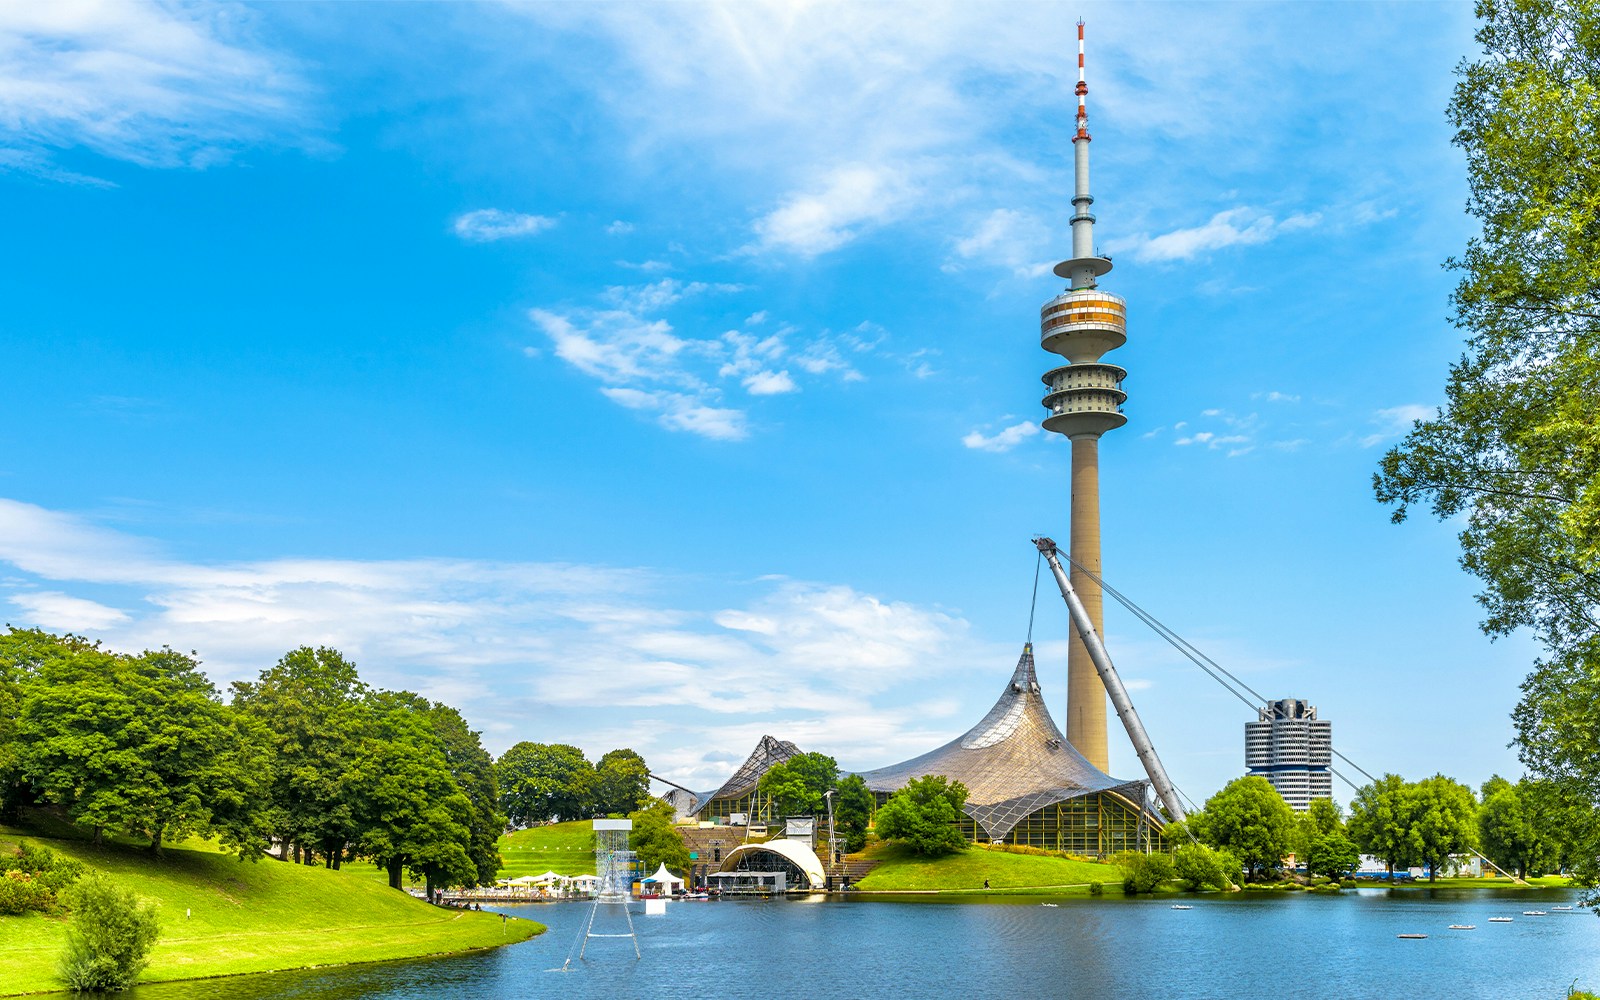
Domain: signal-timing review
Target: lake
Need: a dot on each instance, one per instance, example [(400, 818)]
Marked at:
[(1268, 945)]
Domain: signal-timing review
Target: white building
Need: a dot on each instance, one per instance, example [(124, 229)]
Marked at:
[(1293, 749)]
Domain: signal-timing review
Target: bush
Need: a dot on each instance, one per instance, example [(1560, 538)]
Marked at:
[(1143, 872), (21, 892), (109, 939), (31, 878), (1097, 889), (1202, 867)]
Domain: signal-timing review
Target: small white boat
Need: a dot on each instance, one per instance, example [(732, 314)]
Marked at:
[(1500, 920), (1182, 906), (1051, 905), (1411, 937), (1534, 913), (1560, 907), (1463, 927)]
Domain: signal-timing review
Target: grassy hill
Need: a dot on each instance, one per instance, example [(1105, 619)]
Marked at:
[(902, 871), (248, 917), (567, 848)]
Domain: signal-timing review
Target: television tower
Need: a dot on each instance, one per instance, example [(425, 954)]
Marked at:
[(1084, 397)]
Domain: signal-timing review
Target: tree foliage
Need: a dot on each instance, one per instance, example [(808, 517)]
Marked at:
[(1378, 822), (622, 783), (1249, 819), (1204, 867), (543, 782), (1144, 872), (1515, 450), (655, 841), (852, 812), (1333, 855), (798, 785), (925, 815), (109, 938)]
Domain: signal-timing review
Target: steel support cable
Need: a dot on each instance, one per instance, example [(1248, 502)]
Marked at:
[(1201, 660), (1034, 607), (1183, 645)]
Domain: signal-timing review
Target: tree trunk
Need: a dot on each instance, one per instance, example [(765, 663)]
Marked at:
[(394, 874), (429, 881), (155, 841), (297, 852), (97, 835)]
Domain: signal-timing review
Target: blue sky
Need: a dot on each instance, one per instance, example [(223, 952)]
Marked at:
[(668, 375)]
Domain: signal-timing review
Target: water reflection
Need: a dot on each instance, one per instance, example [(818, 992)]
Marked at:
[(1239, 945)]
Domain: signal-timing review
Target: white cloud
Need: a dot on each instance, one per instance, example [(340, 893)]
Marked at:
[(645, 364), (619, 228), (766, 383), (486, 225), (153, 84), (507, 642), (1004, 440), (52, 609), (1396, 421), (845, 202), (682, 412), (1234, 227), (1010, 239), (1275, 396)]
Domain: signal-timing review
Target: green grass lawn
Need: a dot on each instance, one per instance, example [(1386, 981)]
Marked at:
[(248, 917), (902, 871), (566, 848)]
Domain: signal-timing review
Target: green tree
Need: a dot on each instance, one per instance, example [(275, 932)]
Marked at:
[(541, 782), (622, 783), (109, 938), (410, 813), (1144, 872), (1321, 818), (139, 744), (1378, 823), (311, 705), (1507, 834), (797, 786), (1514, 453), (925, 815), (852, 812), (1203, 867), (1333, 855), (1441, 820), (655, 840), (1249, 820), (474, 772)]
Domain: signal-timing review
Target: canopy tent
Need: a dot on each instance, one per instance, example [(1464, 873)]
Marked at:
[(665, 879), (547, 878), (523, 880)]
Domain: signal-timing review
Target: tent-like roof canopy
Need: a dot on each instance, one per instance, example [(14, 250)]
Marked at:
[(768, 752), (793, 851), (1013, 762), (664, 877)]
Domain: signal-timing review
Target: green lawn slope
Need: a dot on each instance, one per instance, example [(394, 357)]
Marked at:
[(565, 848), (902, 871), (248, 917)]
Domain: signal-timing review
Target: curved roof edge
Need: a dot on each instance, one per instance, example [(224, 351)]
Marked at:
[(793, 851)]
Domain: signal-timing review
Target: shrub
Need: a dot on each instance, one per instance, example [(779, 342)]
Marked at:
[(1200, 866), (1143, 872), (109, 939), (21, 892), (1097, 889)]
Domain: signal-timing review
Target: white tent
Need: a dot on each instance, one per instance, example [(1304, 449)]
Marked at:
[(523, 880), (668, 881), (547, 878)]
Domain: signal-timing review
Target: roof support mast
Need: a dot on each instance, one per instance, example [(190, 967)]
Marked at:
[(1108, 675)]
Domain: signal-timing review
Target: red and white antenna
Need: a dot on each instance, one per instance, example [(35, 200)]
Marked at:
[(1083, 91)]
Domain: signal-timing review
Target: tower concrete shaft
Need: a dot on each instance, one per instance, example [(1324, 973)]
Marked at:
[(1085, 399)]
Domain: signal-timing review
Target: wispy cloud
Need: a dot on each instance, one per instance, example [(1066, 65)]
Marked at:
[(1233, 227), (1395, 421), (644, 363), (504, 641), (846, 202), (1005, 238), (154, 84), (486, 225), (1003, 440)]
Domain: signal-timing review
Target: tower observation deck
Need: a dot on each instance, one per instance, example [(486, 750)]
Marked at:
[(1084, 398)]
